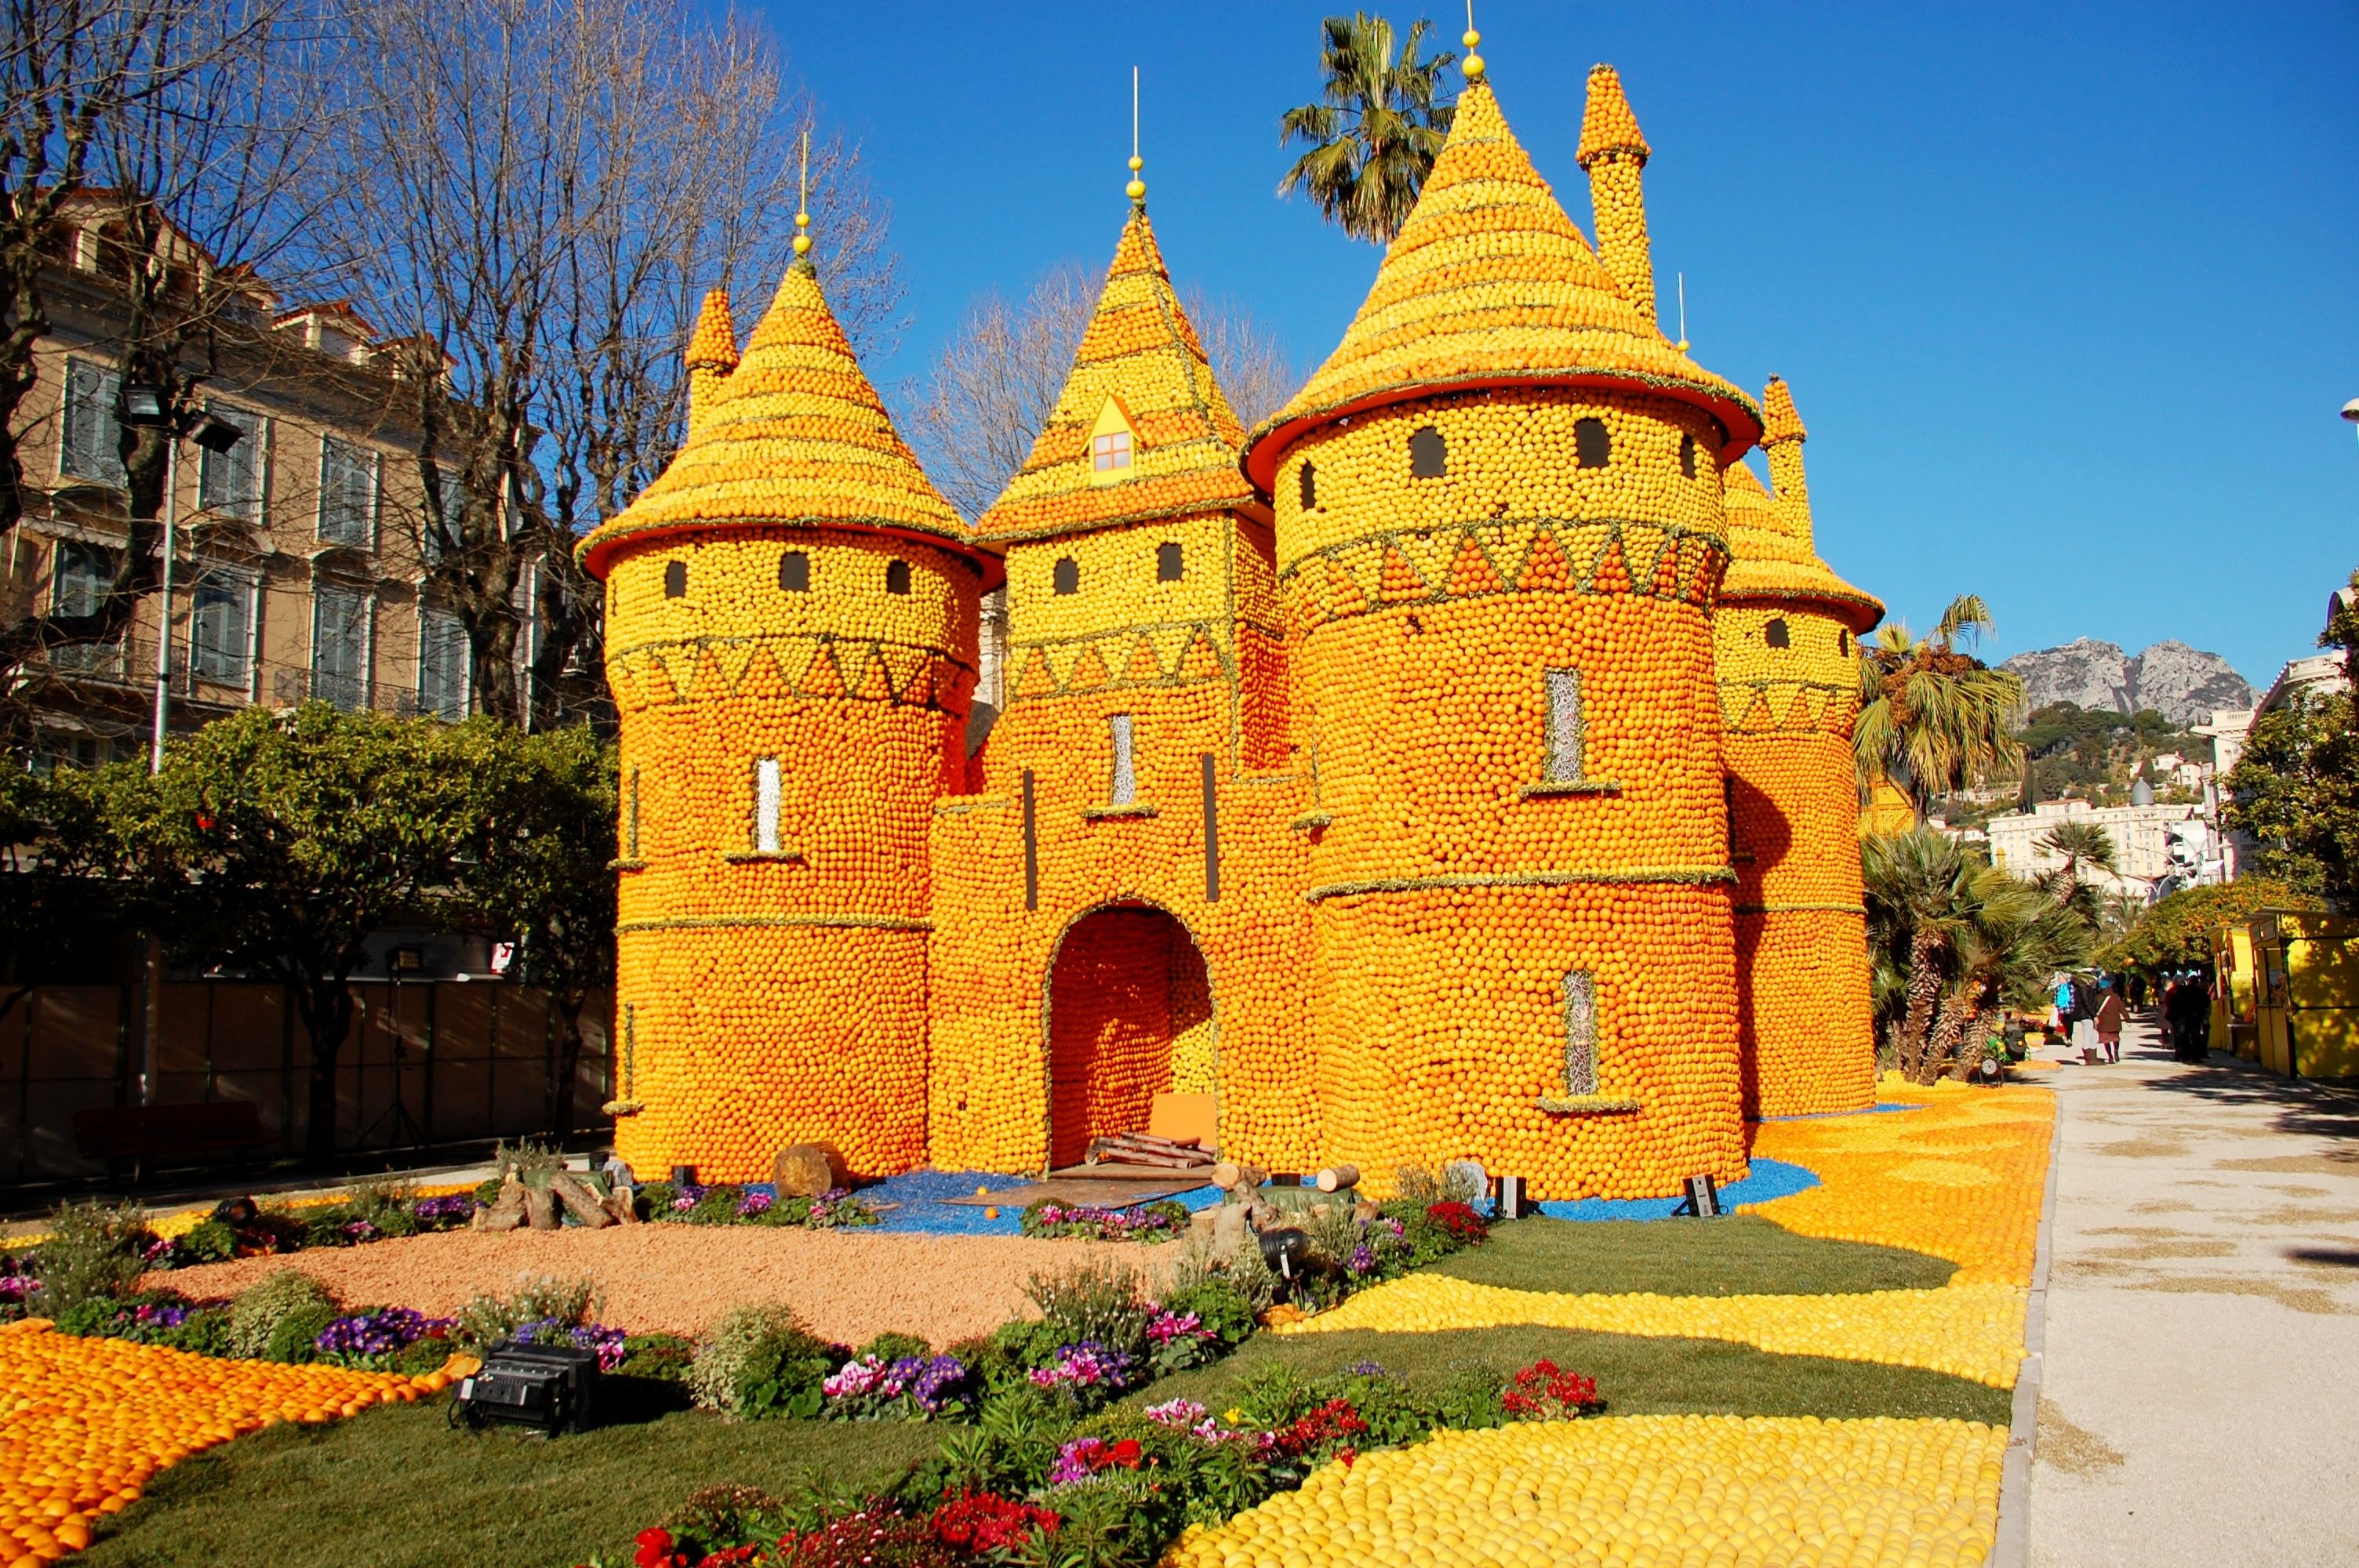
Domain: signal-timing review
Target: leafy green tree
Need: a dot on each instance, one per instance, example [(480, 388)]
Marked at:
[(1376, 128), (2174, 931), (1931, 717), (2296, 788), (545, 875), (302, 832)]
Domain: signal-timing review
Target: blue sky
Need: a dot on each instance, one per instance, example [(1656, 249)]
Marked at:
[(2067, 293)]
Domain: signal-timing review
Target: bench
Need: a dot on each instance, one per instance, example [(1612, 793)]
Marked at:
[(143, 1132)]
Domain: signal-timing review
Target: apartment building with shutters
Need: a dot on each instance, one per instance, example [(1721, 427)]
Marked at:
[(302, 563)]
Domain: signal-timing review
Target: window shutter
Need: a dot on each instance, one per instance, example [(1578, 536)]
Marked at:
[(91, 446)]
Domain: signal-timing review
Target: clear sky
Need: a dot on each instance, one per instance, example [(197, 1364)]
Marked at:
[(2068, 293)]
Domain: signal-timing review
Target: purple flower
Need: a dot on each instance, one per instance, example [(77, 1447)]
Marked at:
[(1087, 1364), (1073, 1460), (17, 1287), (458, 1205), (156, 1250), (754, 1204), (1363, 1259), (379, 1333), (150, 1316)]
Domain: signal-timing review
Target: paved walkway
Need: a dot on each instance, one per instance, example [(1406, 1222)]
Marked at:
[(2200, 1404)]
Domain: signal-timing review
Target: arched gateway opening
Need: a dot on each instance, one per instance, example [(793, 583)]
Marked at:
[(1130, 1021)]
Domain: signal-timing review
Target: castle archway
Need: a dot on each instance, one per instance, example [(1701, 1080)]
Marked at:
[(1130, 1021)]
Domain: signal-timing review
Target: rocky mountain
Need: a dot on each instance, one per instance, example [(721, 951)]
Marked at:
[(2184, 685)]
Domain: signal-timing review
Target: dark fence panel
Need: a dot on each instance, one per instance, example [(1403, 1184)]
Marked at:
[(429, 1062)]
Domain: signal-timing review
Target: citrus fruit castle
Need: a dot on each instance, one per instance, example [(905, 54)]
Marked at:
[(1456, 764)]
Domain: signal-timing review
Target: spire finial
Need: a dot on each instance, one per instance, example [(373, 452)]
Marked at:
[(1473, 66), (802, 206), (1682, 344), (1136, 189)]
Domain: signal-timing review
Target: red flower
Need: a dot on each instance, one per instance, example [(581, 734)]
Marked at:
[(1330, 1423), (980, 1523), (656, 1550), (1545, 1391), (1460, 1221), (1125, 1453)]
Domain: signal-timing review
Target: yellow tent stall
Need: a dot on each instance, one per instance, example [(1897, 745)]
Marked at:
[(2289, 992)]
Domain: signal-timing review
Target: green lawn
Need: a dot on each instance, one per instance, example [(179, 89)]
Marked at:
[(396, 1488), (1636, 1374), (1742, 1255)]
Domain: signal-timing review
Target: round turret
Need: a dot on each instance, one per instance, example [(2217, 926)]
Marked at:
[(1499, 532), (1786, 653), (791, 625)]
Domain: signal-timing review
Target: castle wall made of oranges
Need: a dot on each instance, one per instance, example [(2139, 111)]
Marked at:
[(1194, 663), (1461, 874), (1801, 924), (772, 967)]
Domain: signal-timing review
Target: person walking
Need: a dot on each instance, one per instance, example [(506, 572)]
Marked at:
[(2187, 1006), (2109, 1020)]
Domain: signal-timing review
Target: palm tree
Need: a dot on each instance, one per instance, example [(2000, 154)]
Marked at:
[(1951, 939), (2077, 844), (1931, 717), (1375, 130)]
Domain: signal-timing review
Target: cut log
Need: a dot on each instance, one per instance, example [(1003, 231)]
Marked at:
[(541, 1208), (1338, 1178), (623, 1203), (802, 1171), (578, 1201)]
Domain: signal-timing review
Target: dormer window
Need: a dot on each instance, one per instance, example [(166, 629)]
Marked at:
[(675, 579), (794, 572), (1112, 442), (896, 577)]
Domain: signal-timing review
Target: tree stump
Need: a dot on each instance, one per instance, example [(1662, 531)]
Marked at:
[(802, 1171), (623, 1203), (505, 1212), (541, 1208)]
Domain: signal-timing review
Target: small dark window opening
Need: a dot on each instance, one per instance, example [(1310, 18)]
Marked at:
[(675, 579), (794, 572), (1842, 644), (1687, 456), (1309, 486), (1067, 578), (896, 577), (1168, 567), (1775, 634), (1592, 445), (1429, 454)]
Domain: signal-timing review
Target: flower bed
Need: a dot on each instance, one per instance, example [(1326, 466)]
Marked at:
[(724, 1202), (1158, 1221)]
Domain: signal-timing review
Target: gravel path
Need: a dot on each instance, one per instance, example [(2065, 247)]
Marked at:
[(850, 1286)]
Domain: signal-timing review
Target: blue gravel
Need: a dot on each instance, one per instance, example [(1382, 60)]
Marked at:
[(922, 1207), (1769, 1179), (1828, 1115)]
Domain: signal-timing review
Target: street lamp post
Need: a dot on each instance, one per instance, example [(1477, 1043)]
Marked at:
[(2350, 412), (150, 408)]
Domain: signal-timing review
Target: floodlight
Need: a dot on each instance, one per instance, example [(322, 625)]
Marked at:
[(145, 406), (215, 434)]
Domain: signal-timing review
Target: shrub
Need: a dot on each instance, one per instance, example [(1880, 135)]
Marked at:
[(388, 1208), (152, 1317), (1460, 1220), (208, 1241), (93, 1250), (1101, 1302), (761, 1360), (255, 1316), (663, 1356), (487, 1319), (1220, 1306), (1249, 1275), (912, 1388)]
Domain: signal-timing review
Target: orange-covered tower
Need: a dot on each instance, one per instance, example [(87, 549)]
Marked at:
[(1787, 651), (1499, 535), (791, 622)]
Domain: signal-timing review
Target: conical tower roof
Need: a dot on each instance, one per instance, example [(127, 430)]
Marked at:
[(795, 435), (1769, 559), (1490, 283), (1141, 352)]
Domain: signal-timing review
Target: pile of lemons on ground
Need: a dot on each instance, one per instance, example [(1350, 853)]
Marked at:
[(85, 1422), (1639, 1491)]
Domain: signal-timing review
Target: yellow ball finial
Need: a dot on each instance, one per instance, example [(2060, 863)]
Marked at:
[(1470, 38), (802, 234), (1136, 189)]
